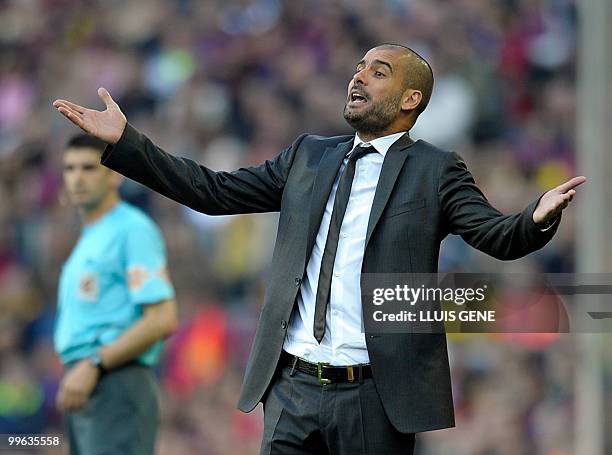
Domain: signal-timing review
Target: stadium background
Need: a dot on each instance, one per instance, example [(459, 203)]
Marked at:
[(231, 83)]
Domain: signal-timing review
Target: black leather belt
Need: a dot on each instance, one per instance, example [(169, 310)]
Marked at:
[(325, 373)]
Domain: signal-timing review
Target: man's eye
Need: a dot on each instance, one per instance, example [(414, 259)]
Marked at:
[(378, 74)]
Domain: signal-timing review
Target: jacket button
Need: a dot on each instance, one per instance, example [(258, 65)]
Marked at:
[(298, 281), (283, 324)]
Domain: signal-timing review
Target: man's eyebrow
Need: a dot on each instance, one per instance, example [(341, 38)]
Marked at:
[(382, 62), (377, 61)]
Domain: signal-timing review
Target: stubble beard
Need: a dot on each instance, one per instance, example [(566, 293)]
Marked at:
[(376, 118)]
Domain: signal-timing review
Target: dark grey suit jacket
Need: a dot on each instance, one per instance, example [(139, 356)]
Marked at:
[(423, 194)]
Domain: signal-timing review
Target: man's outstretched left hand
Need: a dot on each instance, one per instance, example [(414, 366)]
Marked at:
[(554, 201)]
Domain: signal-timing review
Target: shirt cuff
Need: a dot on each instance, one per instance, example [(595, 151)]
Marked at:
[(549, 224)]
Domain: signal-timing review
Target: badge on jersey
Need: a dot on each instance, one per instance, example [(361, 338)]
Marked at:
[(137, 276), (89, 288)]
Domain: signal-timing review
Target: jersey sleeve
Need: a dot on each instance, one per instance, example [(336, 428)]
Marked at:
[(147, 275)]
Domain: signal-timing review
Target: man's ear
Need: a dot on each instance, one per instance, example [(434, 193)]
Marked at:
[(411, 99)]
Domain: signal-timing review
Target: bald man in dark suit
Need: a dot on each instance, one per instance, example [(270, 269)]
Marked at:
[(373, 202)]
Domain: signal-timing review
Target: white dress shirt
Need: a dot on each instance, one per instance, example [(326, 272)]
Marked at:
[(344, 340)]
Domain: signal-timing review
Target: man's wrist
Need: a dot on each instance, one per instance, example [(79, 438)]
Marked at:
[(96, 361)]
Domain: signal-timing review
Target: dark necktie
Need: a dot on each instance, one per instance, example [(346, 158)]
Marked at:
[(331, 245)]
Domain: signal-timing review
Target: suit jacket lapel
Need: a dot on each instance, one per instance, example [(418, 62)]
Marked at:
[(392, 165), (324, 181)]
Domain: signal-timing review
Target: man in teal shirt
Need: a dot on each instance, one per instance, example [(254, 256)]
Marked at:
[(115, 307)]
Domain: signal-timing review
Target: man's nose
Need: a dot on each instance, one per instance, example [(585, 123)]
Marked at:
[(359, 77), (78, 177)]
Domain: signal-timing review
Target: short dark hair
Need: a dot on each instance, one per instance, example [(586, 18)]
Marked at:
[(418, 74), (86, 141)]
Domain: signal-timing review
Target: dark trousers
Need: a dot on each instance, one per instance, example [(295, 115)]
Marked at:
[(121, 416), (302, 416)]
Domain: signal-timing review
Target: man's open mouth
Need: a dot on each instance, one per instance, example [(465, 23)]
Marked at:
[(357, 99)]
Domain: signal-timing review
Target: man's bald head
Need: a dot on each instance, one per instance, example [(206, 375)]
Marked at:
[(417, 73), (389, 89)]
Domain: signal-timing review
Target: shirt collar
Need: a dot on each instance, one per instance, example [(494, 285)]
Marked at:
[(380, 144)]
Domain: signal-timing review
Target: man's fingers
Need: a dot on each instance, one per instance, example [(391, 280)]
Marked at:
[(74, 401), (60, 105), (77, 110), (77, 404), (573, 183), (557, 199), (562, 202), (108, 100), (69, 405), (73, 117), (66, 103)]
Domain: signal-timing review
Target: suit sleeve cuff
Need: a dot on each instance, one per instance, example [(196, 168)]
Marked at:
[(129, 138), (542, 233)]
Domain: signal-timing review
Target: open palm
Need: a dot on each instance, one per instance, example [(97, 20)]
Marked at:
[(555, 200), (106, 125)]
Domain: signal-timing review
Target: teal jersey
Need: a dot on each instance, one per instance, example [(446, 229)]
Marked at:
[(117, 266)]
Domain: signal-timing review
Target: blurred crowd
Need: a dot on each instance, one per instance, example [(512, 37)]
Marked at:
[(231, 83)]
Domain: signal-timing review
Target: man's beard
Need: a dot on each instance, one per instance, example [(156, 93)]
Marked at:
[(375, 118)]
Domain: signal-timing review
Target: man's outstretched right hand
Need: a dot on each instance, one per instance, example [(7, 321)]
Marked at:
[(107, 125)]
